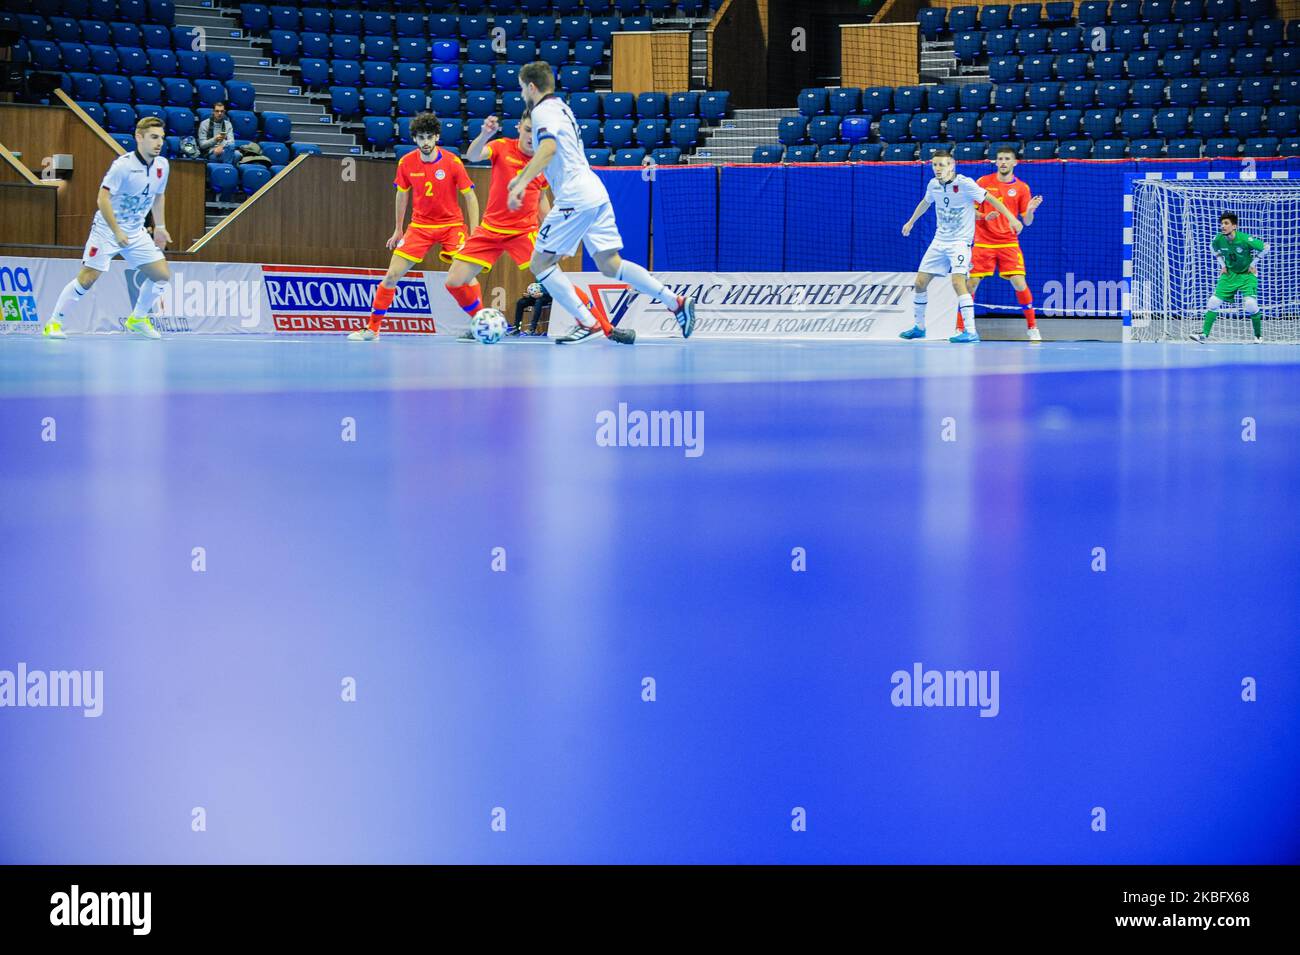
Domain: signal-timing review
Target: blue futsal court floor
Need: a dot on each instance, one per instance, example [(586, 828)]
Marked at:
[(948, 503)]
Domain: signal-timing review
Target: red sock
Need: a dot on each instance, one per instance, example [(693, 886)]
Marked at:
[(1026, 299), (383, 299), (469, 297), (605, 326), (961, 326)]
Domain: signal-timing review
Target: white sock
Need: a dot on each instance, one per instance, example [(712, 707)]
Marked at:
[(150, 292), (967, 305), (71, 294), (643, 281), (560, 287), (918, 307)]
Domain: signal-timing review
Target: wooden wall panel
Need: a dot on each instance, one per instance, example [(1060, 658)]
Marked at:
[(658, 62), (27, 212), (881, 54)]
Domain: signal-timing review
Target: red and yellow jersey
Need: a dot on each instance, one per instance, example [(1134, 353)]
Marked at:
[(434, 187), (1015, 195), (507, 161)]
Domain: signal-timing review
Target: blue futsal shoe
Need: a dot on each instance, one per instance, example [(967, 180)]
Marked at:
[(963, 338), (916, 331)]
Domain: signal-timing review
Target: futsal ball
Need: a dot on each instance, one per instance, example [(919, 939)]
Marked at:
[(489, 326), (536, 290)]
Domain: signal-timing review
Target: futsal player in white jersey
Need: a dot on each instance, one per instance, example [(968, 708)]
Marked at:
[(955, 199), (580, 212), (132, 187)]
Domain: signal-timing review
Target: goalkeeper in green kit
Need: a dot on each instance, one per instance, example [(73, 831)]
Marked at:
[(1237, 253)]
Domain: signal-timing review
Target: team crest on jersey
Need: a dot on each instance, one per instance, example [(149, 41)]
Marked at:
[(1011, 192), (440, 174), (160, 172), (94, 251), (954, 187)]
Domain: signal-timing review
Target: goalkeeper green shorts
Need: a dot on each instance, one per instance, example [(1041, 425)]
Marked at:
[(1230, 283)]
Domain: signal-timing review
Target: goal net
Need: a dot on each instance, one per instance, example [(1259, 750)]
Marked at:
[(1175, 269)]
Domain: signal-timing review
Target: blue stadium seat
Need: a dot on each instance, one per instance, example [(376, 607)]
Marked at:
[(597, 156), (314, 20), (95, 111), (1222, 147), (589, 52), (574, 28), (178, 91), (448, 51), (377, 101), (76, 57), (519, 52), (1143, 66), (1171, 122), (909, 99), (1283, 121), (540, 28), (1266, 33), (1261, 147), (970, 152), (896, 152), (1032, 41), (145, 109), (968, 47), (1161, 37), (444, 26), (1127, 38), (1215, 61), (407, 25), (344, 46), (1078, 95), (893, 127), (285, 18), (300, 149), (1184, 92), (506, 76), (1040, 150), (715, 105), (1233, 34), (208, 92), (1066, 40), (162, 63), (933, 22), (408, 102), (180, 120), (479, 104), (86, 86), (670, 156), (1000, 43), (346, 72), (833, 153), (1208, 121), (125, 34), (453, 132), (92, 31), (801, 154), (684, 133), (1044, 95), (1100, 123), (791, 130), (377, 23), (1010, 96), (1125, 11), (1183, 149), (1030, 124), (995, 16), (962, 126), (584, 105), (842, 102), (1286, 59), (103, 59), (1072, 66), (1092, 13), (116, 89), (147, 90), (409, 49), (277, 127), (45, 55), (924, 126), (240, 95), (445, 102), (1004, 69), (245, 123), (617, 133), (650, 133), (854, 129), (651, 105), (589, 132), (1222, 92), (221, 66), (1245, 122), (941, 99), (345, 101), (877, 100), (1109, 149), (1289, 147), (1025, 15), (445, 77), (379, 47), (554, 52), (976, 96), (1157, 11), (1036, 68), (1146, 148), (1109, 66), (223, 179), (1188, 11), (479, 76), (1197, 36), (618, 105), (479, 51), (1257, 91), (631, 156), (683, 105), (67, 30), (380, 131), (121, 117), (997, 125), (963, 19), (1075, 149), (1136, 123), (1148, 92), (347, 23), (409, 75), (866, 152), (253, 177), (1064, 123), (132, 60)]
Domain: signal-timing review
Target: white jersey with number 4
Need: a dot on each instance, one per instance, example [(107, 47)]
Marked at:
[(133, 186), (954, 205), (573, 184)]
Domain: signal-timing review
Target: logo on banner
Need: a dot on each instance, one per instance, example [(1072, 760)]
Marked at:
[(17, 295), (327, 299), (611, 302)]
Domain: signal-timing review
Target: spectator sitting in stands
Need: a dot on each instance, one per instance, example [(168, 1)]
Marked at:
[(536, 299), (217, 134)]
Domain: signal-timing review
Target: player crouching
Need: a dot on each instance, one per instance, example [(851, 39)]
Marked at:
[(430, 179), (132, 188), (954, 198)]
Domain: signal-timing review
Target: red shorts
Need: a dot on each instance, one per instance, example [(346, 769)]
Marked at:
[(418, 239), (1004, 259), (485, 247)]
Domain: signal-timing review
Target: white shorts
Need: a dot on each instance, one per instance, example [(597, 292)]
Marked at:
[(101, 247), (946, 258), (595, 227)]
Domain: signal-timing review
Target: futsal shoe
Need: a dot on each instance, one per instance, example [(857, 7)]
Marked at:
[(369, 333), (1035, 335), (916, 331), (624, 336), (685, 315), (964, 338), (53, 329), (142, 327), (466, 336), (1202, 339), (580, 333)]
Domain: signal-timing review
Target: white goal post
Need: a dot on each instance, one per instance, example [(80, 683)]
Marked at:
[(1171, 269)]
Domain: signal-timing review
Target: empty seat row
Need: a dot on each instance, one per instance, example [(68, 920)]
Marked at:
[(318, 74), (259, 18), (1160, 37), (77, 57), (148, 91), (937, 22), (1245, 61), (290, 46), (179, 121), (1188, 148), (37, 26)]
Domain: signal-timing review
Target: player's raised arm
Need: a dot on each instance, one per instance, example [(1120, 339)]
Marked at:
[(916, 213), (541, 157), (476, 152)]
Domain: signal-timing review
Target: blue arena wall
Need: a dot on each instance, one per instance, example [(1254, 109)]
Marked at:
[(823, 217)]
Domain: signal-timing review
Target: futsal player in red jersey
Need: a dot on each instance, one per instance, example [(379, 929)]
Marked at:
[(431, 180), (997, 248)]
